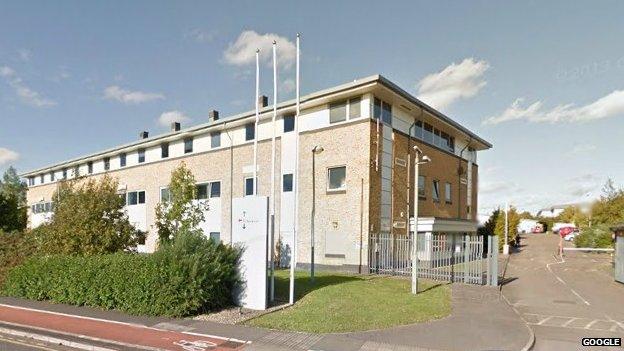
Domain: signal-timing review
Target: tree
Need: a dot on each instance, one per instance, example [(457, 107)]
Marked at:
[(573, 214), (490, 224), (89, 218), (13, 208), (513, 220), (610, 208), (180, 213)]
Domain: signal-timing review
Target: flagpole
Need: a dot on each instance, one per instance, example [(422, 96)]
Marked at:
[(272, 232), (293, 255), (255, 144)]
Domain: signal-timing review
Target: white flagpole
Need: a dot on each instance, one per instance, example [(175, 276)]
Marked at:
[(272, 232), (255, 144), (293, 255)]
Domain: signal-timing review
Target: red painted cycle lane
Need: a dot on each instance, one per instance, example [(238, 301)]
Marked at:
[(119, 332)]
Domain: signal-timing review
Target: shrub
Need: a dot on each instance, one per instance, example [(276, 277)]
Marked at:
[(192, 275), (15, 247), (598, 236)]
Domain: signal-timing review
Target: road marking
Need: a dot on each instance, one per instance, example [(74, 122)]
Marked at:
[(120, 323), (588, 325), (572, 319), (620, 324), (52, 340), (564, 283), (544, 320)]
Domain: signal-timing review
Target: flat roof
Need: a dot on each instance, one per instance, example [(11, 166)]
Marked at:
[(283, 105)]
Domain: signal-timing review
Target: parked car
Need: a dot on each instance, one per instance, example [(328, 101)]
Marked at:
[(568, 233), (557, 226)]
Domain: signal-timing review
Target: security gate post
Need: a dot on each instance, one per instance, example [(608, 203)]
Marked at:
[(415, 262), (494, 262)]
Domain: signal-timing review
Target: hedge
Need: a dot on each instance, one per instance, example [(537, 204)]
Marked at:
[(190, 276)]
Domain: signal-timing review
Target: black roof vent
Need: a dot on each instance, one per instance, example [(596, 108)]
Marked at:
[(213, 115), (263, 101), (175, 126), (144, 135)]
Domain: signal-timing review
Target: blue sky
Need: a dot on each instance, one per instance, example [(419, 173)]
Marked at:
[(77, 77)]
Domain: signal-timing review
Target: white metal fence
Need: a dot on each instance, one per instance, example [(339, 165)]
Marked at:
[(449, 257)]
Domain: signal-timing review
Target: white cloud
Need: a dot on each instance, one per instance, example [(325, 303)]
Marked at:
[(242, 52), (24, 55), (607, 106), (26, 94), (166, 118), (7, 155), (456, 81), (582, 149), (114, 92)]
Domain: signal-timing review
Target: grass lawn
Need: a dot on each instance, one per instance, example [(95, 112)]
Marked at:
[(340, 303)]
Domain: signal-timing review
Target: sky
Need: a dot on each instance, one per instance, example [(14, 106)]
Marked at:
[(542, 81)]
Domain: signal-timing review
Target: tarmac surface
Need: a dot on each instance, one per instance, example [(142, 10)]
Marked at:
[(565, 300)]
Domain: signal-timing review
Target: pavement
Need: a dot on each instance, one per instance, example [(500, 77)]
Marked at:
[(480, 320), (564, 300)]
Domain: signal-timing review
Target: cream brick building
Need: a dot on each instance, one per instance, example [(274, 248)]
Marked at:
[(363, 180)]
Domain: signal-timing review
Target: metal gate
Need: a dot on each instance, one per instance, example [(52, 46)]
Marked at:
[(619, 259), (452, 257)]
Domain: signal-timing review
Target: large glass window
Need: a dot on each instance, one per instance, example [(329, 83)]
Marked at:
[(338, 112), (250, 131), (215, 189), (355, 107), (164, 150), (386, 112), (135, 198), (188, 145), (437, 138), (202, 192), (435, 193), (52, 176), (419, 129), (141, 155), (106, 163), (215, 139), (215, 236), (428, 133), (447, 192), (377, 108), (287, 183), (289, 123), (165, 196), (90, 167), (337, 178)]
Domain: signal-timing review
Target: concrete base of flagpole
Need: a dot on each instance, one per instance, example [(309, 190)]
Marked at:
[(506, 249)]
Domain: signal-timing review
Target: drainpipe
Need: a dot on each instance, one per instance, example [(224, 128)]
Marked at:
[(409, 155), (461, 156)]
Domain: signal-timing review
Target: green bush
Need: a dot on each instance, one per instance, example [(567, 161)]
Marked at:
[(598, 236), (190, 276), (15, 247)]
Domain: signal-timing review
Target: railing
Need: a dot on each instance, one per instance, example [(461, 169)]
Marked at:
[(455, 257)]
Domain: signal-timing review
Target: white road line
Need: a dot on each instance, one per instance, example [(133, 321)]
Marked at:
[(564, 283), (569, 322), (117, 322), (544, 320), (588, 326), (620, 324), (53, 340)]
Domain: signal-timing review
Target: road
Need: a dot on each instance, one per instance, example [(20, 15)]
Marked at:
[(564, 300)]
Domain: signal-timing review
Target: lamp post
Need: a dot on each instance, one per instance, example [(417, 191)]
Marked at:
[(418, 160), (316, 150), (506, 245)]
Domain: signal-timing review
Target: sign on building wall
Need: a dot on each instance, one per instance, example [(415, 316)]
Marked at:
[(250, 232)]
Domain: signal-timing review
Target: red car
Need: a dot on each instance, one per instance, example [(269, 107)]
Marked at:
[(565, 231)]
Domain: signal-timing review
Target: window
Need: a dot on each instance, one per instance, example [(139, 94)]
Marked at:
[(215, 189), (141, 155), (250, 131), (386, 112), (188, 145), (428, 133), (122, 160), (41, 180), (64, 173), (106, 163), (377, 109), (355, 107), (90, 167), (76, 171), (445, 143), (337, 178), (287, 183), (215, 236), (289, 123), (338, 112), (436, 191), (31, 181), (201, 192), (447, 192), (215, 139), (249, 187), (421, 187), (419, 129), (437, 138), (165, 196), (52, 176), (164, 150), (135, 198)]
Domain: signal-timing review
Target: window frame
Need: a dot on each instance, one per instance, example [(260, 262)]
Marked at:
[(333, 106), (448, 192), (188, 145), (290, 124), (250, 129), (106, 161), (328, 179), (216, 135), (164, 150), (90, 167), (424, 187), (292, 182), (122, 160), (435, 190), (141, 155), (254, 191)]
